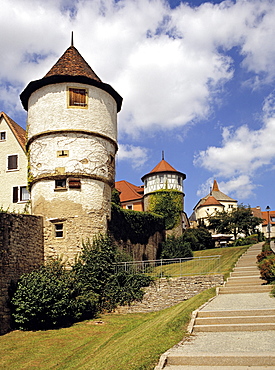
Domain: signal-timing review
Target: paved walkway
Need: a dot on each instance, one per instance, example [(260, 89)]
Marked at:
[(235, 330)]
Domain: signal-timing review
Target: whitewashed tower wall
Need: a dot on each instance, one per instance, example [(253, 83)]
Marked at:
[(71, 161)]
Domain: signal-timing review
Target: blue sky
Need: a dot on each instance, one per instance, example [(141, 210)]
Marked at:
[(197, 79)]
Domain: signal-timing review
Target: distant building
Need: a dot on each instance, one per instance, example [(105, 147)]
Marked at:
[(13, 166), (215, 201), (268, 225), (131, 196), (163, 176)]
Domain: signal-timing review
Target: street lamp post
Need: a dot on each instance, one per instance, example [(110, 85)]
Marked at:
[(268, 223)]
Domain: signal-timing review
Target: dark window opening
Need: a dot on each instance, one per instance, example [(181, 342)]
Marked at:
[(77, 97), (60, 184), (59, 230), (13, 162), (2, 136)]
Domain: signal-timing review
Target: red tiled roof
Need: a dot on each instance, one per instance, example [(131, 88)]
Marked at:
[(256, 212), (128, 191), (17, 130), (163, 166), (71, 63), (265, 217), (211, 201)]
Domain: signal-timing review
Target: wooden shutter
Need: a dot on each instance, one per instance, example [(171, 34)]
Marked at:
[(15, 194), (77, 97), (12, 162), (74, 183)]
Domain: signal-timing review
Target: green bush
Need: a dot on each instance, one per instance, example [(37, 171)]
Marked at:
[(95, 271), (135, 226), (266, 263), (50, 298), (175, 247), (53, 297), (199, 238), (251, 239)]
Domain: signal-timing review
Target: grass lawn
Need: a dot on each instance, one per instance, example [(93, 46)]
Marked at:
[(111, 342), (228, 258)]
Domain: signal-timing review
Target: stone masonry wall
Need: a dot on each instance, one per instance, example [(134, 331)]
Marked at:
[(167, 292), (21, 251), (140, 252)]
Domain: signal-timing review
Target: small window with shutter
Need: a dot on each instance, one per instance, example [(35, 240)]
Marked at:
[(12, 162), (74, 183), (77, 98)]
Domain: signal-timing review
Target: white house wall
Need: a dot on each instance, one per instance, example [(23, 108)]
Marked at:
[(11, 178), (170, 181)]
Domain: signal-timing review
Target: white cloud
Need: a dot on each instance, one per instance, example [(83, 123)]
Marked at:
[(135, 155), (243, 153), (168, 64)]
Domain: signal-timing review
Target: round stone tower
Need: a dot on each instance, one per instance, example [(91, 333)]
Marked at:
[(163, 178), (72, 142)]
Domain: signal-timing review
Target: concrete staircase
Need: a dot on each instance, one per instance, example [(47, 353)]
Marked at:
[(226, 338)]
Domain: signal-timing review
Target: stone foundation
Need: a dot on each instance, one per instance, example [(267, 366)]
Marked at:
[(165, 293)]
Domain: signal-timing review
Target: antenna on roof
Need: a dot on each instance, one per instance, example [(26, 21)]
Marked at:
[(72, 39), (162, 155)]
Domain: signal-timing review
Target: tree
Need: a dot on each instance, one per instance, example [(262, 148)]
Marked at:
[(239, 220)]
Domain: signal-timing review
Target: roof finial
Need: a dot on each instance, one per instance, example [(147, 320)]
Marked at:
[(210, 190), (72, 39), (162, 155)]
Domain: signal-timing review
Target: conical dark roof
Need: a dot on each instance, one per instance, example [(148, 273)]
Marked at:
[(71, 63), (70, 67)]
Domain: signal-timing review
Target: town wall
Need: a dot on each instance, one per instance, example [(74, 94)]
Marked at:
[(21, 251), (141, 252)]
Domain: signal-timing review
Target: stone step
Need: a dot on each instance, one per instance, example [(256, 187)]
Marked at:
[(245, 273), (235, 320), (245, 281), (234, 327), (227, 313), (247, 264), (245, 289), (224, 359)]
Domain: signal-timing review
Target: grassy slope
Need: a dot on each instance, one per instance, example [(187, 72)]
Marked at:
[(122, 342)]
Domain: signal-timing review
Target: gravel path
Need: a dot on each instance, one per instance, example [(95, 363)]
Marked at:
[(240, 301)]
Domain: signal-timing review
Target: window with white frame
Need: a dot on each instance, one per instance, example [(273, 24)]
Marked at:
[(129, 206), (3, 136), (12, 162), (20, 194)]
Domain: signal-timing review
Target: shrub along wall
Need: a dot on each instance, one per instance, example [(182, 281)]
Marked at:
[(138, 233), (21, 251)]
